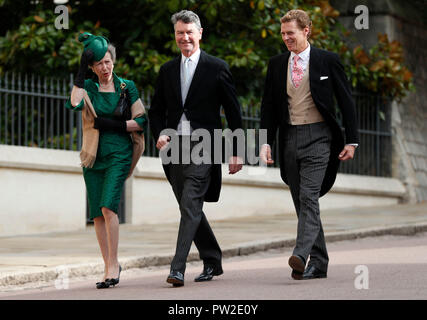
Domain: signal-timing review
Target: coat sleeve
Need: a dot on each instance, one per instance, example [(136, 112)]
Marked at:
[(133, 91), (230, 104), (229, 101), (342, 92), (134, 96), (157, 111), (269, 116)]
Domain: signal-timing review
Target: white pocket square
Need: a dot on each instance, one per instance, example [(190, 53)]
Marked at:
[(324, 77)]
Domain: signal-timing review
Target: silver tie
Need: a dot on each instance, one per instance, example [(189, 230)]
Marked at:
[(186, 70), (186, 78), (184, 127)]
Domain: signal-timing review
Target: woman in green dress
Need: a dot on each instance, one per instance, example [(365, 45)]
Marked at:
[(113, 161)]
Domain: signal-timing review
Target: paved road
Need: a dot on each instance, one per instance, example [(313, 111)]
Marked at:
[(388, 267)]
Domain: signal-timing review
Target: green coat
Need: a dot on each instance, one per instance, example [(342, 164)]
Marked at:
[(104, 181)]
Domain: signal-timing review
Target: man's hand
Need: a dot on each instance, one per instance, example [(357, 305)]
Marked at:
[(235, 164), (347, 152), (162, 142), (265, 154)]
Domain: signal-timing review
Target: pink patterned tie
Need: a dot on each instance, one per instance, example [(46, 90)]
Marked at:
[(297, 72)]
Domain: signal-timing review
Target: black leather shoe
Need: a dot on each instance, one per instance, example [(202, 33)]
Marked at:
[(176, 278), (298, 265), (313, 273), (208, 273)]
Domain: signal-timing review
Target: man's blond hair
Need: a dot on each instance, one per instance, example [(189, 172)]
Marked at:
[(301, 17)]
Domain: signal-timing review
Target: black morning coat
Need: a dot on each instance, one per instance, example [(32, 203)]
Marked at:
[(212, 87), (274, 107)]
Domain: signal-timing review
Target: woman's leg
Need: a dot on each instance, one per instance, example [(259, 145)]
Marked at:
[(112, 231), (101, 235), (114, 179), (94, 179)]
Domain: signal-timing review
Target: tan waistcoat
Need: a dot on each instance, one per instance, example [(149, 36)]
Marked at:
[(302, 109)]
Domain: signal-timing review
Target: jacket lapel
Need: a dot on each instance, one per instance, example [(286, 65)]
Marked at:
[(176, 78), (283, 73), (197, 77), (315, 67)]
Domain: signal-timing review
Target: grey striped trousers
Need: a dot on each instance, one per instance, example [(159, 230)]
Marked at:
[(307, 150), (190, 183)]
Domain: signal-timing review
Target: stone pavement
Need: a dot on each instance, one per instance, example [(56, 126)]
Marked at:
[(35, 258)]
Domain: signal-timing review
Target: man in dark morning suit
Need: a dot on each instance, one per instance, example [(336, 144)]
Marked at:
[(298, 100), (189, 92)]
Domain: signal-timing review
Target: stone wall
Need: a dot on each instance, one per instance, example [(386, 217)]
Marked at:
[(43, 191), (403, 21)]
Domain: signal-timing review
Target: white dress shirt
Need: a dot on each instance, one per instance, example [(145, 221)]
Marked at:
[(184, 127), (304, 62)]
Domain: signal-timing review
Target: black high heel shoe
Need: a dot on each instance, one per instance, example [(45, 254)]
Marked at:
[(102, 285), (112, 281)]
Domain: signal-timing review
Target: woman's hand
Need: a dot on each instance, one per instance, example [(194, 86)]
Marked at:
[(79, 82), (85, 61)]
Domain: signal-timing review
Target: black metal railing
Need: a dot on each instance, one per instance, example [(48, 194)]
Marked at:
[(374, 154), (32, 113)]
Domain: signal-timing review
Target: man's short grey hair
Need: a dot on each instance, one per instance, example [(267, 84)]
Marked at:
[(186, 16)]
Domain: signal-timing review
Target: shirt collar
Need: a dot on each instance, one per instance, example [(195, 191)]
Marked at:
[(304, 55), (194, 57)]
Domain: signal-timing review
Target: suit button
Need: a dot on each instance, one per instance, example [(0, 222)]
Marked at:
[(185, 110)]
